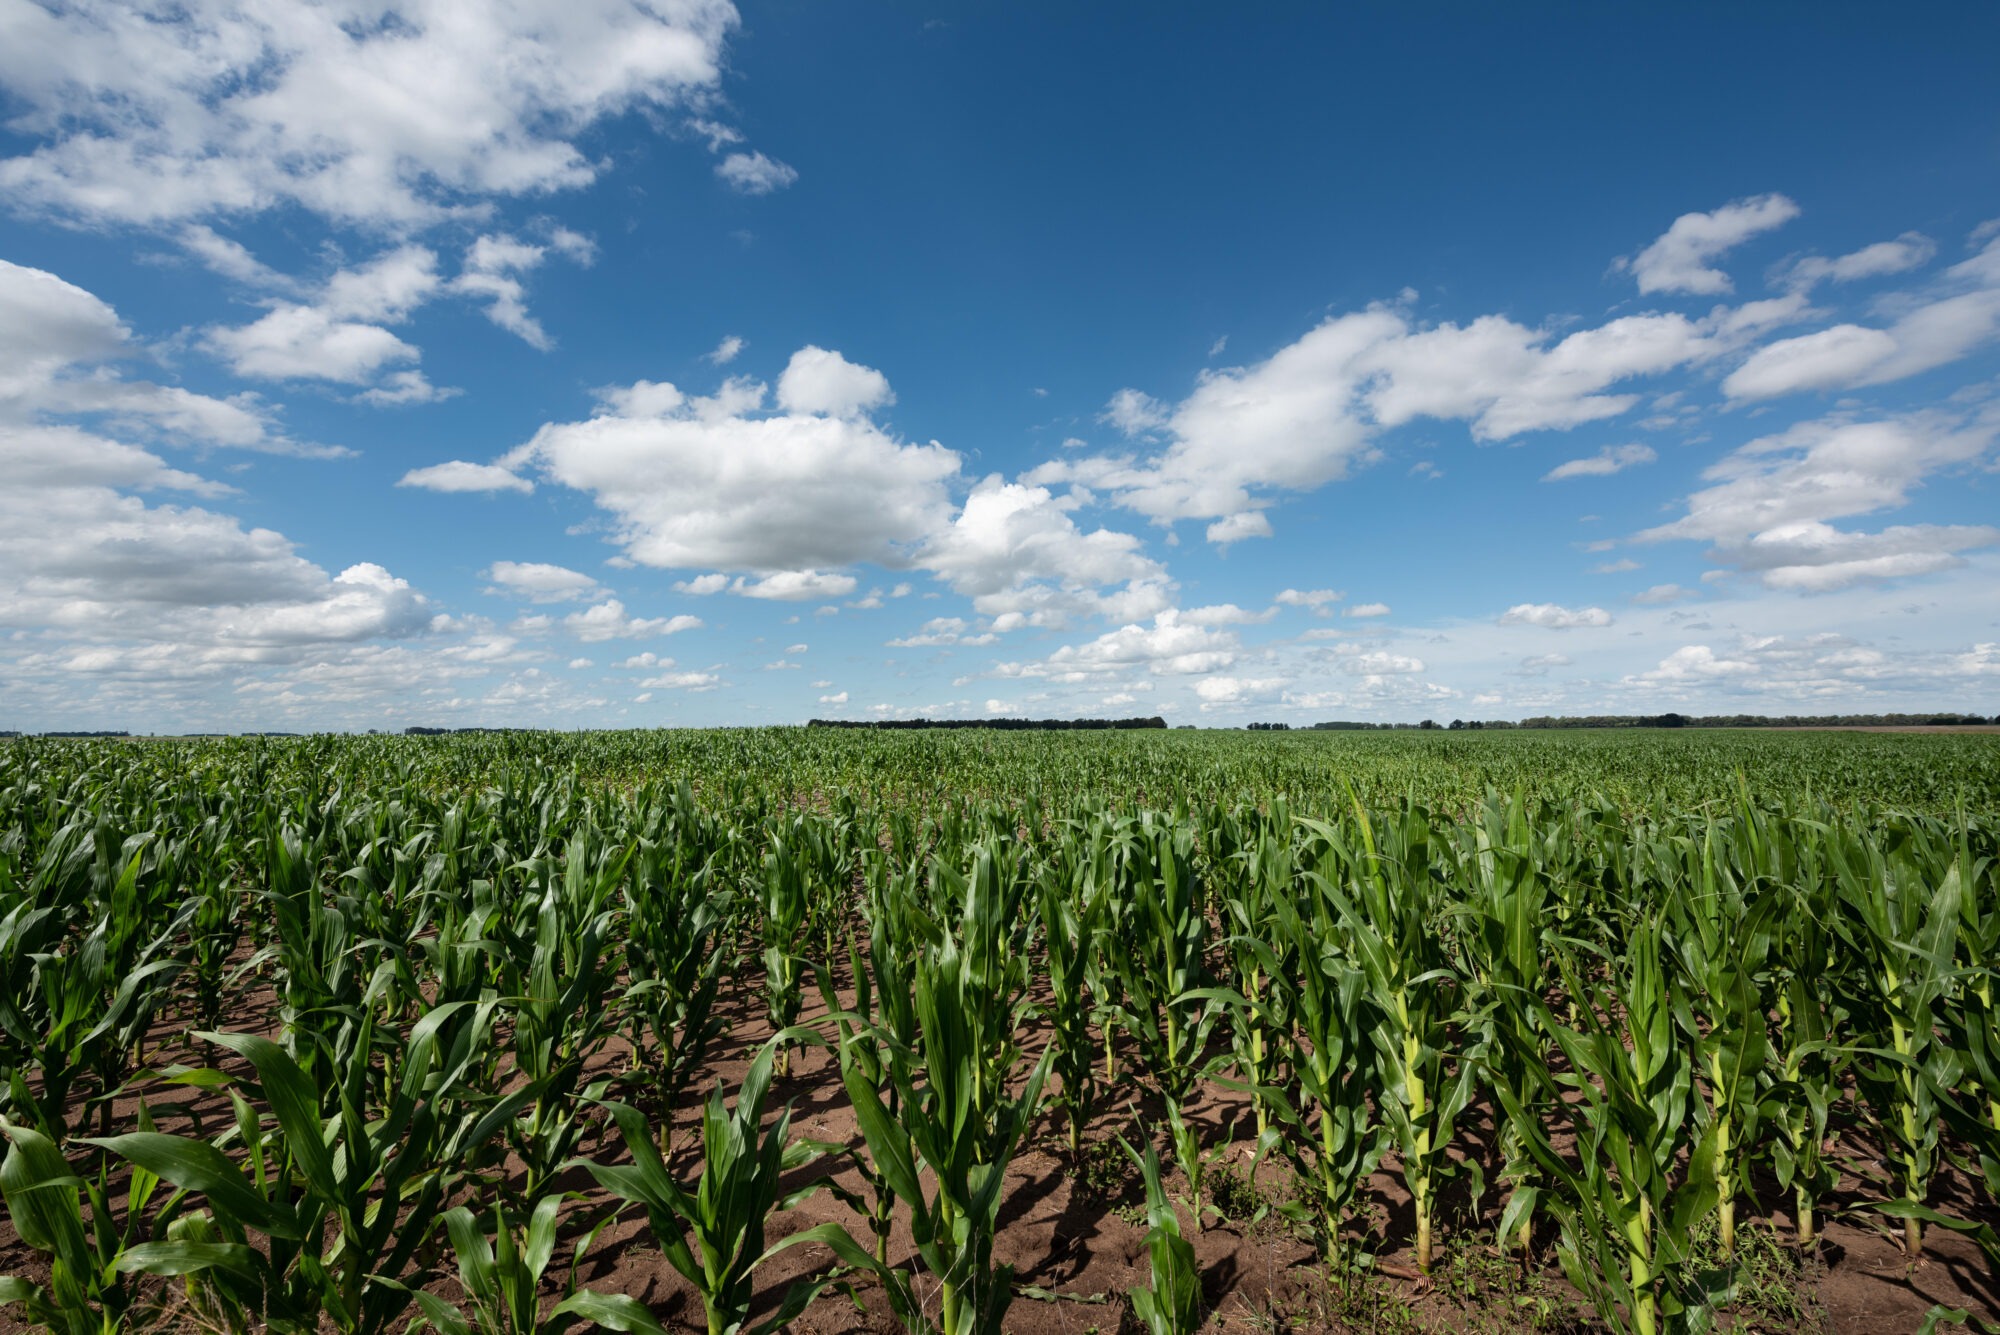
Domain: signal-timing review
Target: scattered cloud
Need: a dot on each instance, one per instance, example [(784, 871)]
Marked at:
[(1550, 616), (401, 120), (540, 582), (720, 483), (1769, 506), (1958, 314), (1694, 662), (492, 274), (794, 586), (340, 335), (817, 381), (1679, 261), (1911, 250), (1607, 461), (1316, 599), (1312, 412), (755, 174), (1018, 552), (608, 621), (718, 134), (683, 681), (943, 631), (459, 476), (1166, 647), (1363, 663), (1237, 690), (1134, 413), (102, 556), (1225, 614)]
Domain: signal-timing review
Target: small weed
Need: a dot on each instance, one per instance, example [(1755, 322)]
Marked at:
[(1771, 1287), (1495, 1296), (1359, 1300), (1106, 1176), (1238, 1195)]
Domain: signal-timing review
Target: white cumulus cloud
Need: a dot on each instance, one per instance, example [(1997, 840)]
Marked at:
[(1911, 250), (1769, 506), (1312, 412), (608, 620), (817, 380), (721, 484), (539, 581), (1953, 317), (395, 115), (1679, 261), (1552, 616)]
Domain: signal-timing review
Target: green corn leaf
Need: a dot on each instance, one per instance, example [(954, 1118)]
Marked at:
[(194, 1165)]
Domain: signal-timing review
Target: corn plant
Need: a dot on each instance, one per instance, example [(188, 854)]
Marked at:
[(80, 1020), (555, 978), (713, 1232), (1903, 932), (1803, 1084), (674, 921), (1720, 931), (1171, 1303), (1505, 938), (857, 1043), (1069, 936), (1806, 1074), (1168, 1006), (501, 1278), (1628, 1207), (787, 897), (1322, 1120), (90, 1253), (1388, 904), (1972, 1013), (1268, 876), (214, 930), (954, 1115), (81, 997), (319, 979), (315, 1191)]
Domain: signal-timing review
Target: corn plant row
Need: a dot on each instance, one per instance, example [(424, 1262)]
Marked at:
[(292, 1032)]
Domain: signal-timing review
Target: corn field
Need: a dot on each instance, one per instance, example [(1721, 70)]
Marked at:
[(385, 1034)]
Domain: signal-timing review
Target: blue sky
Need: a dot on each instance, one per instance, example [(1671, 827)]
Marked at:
[(596, 363)]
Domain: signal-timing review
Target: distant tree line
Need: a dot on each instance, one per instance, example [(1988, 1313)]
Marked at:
[(1753, 721), (999, 724), (1343, 725), (447, 732), (1673, 721)]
